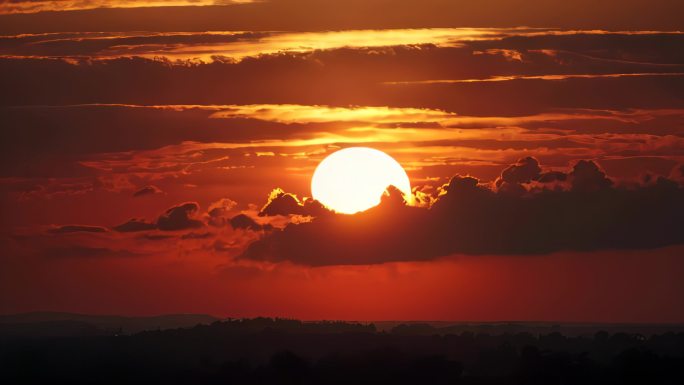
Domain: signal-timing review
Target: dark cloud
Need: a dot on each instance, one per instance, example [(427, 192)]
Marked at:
[(135, 225), (218, 213), (586, 176), (85, 252), (147, 190), (524, 171), (242, 221), (469, 218), (282, 203), (552, 176), (77, 228), (204, 235), (180, 217), (158, 237)]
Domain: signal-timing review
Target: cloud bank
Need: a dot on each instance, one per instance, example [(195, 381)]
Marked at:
[(587, 213)]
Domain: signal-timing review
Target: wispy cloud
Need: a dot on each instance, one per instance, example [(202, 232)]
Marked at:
[(537, 77), (32, 6), (236, 45)]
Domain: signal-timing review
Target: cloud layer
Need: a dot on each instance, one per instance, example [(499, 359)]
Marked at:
[(472, 219), (316, 15)]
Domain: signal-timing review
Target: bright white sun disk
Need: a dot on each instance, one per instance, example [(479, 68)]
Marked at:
[(354, 179)]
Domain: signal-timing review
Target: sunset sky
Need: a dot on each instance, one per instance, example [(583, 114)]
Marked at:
[(157, 158)]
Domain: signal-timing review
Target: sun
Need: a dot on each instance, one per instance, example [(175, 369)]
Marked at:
[(353, 179)]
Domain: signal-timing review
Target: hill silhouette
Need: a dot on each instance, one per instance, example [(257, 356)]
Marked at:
[(55, 324)]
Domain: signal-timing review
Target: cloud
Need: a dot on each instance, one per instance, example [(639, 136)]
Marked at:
[(309, 78), (219, 211), (113, 44), (85, 252), (552, 176), (290, 113), (147, 190), (243, 221), (72, 159), (66, 229), (335, 15), (191, 235), (282, 203), (469, 218), (222, 205), (186, 216), (34, 6), (586, 176), (524, 171), (180, 217), (488, 45), (118, 158), (135, 225)]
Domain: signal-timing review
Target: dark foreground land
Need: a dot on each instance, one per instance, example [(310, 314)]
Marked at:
[(267, 351)]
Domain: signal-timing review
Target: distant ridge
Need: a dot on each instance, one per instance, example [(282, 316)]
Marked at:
[(570, 329), (73, 324), (62, 324)]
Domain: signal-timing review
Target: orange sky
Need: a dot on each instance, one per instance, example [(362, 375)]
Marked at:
[(133, 134)]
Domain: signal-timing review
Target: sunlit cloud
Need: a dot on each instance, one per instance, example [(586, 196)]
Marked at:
[(404, 117), (230, 143), (33, 6), (538, 77), (310, 41), (234, 46), (290, 113), (147, 45)]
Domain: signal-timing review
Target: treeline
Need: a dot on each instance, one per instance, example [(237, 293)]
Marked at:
[(277, 351)]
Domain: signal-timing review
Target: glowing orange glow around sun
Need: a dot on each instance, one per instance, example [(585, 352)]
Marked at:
[(353, 179)]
